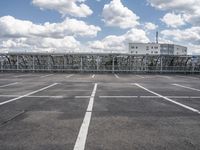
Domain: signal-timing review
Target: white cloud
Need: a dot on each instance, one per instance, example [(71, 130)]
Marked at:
[(75, 8), (119, 43), (189, 35), (115, 14), (18, 34), (189, 8), (11, 27), (173, 20), (194, 49), (67, 43), (150, 26)]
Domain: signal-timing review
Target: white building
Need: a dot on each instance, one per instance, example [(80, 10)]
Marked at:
[(156, 49)]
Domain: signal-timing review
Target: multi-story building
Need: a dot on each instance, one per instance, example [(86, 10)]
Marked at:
[(156, 49)]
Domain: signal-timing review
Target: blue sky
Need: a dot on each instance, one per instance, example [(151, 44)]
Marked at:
[(97, 25)]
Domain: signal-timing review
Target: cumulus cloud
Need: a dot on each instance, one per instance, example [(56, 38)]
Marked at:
[(150, 26), (119, 43), (11, 27), (22, 34), (190, 9), (116, 14), (173, 20), (75, 8), (67, 43), (189, 35)]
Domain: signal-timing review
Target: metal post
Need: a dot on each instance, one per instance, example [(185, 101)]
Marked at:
[(33, 63), (97, 61), (145, 63), (48, 63), (161, 64), (17, 62), (1, 64), (113, 64), (81, 63)]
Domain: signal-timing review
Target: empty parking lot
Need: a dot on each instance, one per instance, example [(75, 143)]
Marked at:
[(99, 111)]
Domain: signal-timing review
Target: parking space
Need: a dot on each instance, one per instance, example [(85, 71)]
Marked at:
[(99, 112)]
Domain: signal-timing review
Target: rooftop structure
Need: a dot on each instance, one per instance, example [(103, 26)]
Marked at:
[(156, 49)]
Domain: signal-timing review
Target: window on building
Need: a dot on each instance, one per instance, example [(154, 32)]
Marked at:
[(147, 48), (151, 47), (132, 47), (156, 47), (136, 47), (136, 52), (156, 52)]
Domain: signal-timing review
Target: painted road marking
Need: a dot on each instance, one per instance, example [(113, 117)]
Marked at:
[(82, 136), (187, 77), (8, 84), (82, 96), (118, 96), (167, 77), (140, 76), (146, 97), (116, 76), (186, 87), (168, 99), (46, 75), (69, 76), (93, 75), (17, 98), (21, 75)]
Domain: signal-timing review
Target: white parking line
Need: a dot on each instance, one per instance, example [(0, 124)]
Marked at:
[(46, 75), (168, 99), (184, 97), (148, 97), (82, 96), (21, 75), (93, 75), (116, 76), (187, 77), (8, 84), (69, 76), (82, 136), (140, 76), (118, 96), (17, 98), (186, 87), (161, 76)]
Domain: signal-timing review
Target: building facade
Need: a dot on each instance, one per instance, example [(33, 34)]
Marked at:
[(156, 49)]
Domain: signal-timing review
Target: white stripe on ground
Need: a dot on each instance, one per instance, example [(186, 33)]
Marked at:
[(118, 96), (82, 96), (166, 77), (187, 77), (93, 75), (184, 97), (17, 98), (46, 75), (8, 84), (144, 97), (116, 76), (186, 87), (82, 136), (69, 76), (168, 99), (149, 97), (21, 75), (140, 76)]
